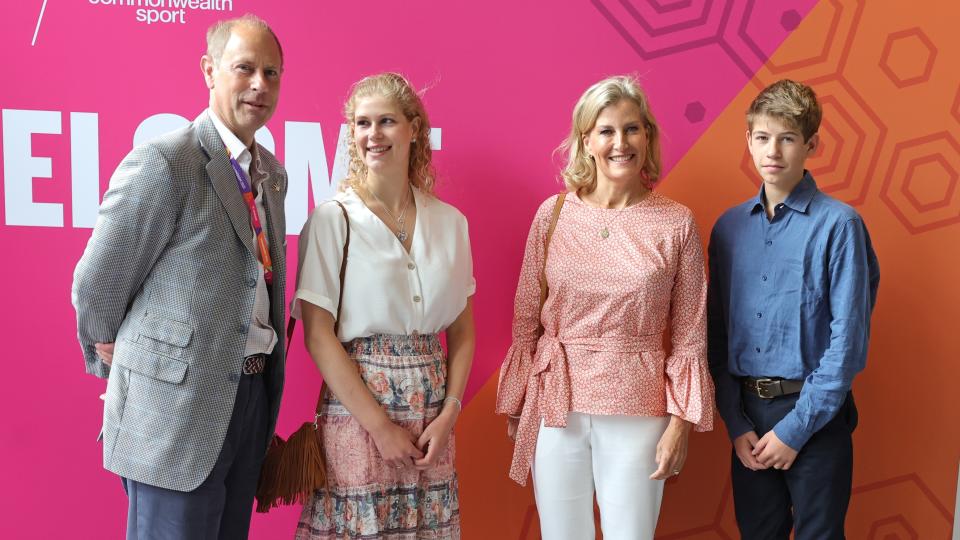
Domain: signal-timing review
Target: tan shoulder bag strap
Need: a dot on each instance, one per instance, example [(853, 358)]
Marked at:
[(546, 245), (291, 323)]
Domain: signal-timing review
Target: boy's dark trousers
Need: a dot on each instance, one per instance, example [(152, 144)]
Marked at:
[(813, 494)]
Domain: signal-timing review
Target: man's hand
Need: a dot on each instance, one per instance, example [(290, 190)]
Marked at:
[(105, 352), (743, 446), (772, 452)]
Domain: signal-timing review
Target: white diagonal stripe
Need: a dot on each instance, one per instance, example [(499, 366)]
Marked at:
[(39, 19)]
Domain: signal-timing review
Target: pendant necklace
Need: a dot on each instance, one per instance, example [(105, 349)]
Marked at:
[(401, 227), (605, 230)]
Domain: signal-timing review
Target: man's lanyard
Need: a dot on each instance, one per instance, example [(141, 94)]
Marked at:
[(247, 193)]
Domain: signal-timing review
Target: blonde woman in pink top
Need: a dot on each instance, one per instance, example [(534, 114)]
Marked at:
[(598, 402)]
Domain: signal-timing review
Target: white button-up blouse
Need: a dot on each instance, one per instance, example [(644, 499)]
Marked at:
[(386, 289)]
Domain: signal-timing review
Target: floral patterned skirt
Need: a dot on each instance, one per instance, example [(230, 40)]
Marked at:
[(366, 497)]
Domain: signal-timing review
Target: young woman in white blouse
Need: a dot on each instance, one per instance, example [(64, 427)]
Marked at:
[(392, 394)]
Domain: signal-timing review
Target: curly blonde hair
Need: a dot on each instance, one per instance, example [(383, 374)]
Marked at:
[(397, 88), (580, 172)]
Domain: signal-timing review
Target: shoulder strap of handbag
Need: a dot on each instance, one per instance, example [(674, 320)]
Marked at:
[(291, 322), (546, 244)]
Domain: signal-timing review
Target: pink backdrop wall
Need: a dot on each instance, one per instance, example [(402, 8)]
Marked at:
[(502, 78)]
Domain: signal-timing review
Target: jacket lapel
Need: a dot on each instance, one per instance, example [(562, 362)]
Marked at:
[(224, 181)]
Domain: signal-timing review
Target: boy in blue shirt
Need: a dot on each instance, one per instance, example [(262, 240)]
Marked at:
[(793, 281)]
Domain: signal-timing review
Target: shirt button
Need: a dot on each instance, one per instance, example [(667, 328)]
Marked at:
[(759, 315), (411, 266), (242, 329), (758, 349), (764, 277), (251, 282), (769, 242), (416, 298)]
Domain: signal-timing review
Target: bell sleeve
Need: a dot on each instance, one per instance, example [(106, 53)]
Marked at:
[(689, 387), (516, 367)]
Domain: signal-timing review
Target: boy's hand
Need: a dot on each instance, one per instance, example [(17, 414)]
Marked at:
[(743, 446), (772, 452)]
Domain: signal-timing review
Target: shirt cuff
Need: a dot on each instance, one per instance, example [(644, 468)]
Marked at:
[(791, 433), (316, 299), (737, 424)]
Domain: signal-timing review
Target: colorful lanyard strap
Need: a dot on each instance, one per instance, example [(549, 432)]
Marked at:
[(247, 193)]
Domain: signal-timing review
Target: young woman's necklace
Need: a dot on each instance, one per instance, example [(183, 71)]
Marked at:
[(401, 226)]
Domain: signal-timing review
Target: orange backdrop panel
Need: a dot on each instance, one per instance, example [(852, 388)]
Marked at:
[(886, 74)]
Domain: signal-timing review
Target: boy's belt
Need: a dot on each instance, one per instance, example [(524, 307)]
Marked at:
[(767, 388)]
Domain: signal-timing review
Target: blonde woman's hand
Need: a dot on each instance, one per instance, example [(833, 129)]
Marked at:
[(396, 445), (672, 449), (512, 425), (433, 441)]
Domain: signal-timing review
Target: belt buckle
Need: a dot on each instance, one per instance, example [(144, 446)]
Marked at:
[(759, 385), (253, 364)]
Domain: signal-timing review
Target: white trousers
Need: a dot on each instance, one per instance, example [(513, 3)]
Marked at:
[(614, 455)]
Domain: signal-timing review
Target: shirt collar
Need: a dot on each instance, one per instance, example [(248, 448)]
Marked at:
[(234, 144), (237, 149), (798, 200)]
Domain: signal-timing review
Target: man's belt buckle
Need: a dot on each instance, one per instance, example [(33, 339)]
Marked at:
[(764, 388), (253, 364)]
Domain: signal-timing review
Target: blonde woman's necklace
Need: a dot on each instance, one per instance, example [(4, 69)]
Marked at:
[(605, 230), (401, 224)]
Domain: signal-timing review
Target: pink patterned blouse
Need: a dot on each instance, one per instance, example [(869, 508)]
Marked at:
[(610, 302)]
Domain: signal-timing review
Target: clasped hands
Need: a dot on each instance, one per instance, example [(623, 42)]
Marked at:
[(399, 448), (759, 453)]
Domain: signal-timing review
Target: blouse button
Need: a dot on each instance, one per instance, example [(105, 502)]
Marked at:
[(416, 298), (411, 266)]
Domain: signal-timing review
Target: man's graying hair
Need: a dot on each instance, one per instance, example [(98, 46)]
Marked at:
[(219, 33)]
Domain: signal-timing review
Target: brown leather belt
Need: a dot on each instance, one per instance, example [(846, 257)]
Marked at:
[(767, 388), (254, 364)]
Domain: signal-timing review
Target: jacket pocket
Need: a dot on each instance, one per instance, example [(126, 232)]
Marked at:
[(149, 363), (166, 330)]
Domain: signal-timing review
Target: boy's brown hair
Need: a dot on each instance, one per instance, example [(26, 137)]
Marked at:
[(791, 102)]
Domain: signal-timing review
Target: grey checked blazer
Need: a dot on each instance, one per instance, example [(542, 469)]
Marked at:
[(169, 275)]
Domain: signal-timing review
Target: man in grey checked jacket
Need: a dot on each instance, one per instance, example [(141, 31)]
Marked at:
[(174, 309)]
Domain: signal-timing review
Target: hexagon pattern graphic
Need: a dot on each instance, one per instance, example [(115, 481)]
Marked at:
[(850, 147), (824, 53), (654, 29), (879, 505), (908, 57), (870, 151), (920, 184), (867, 154), (869, 62), (892, 528)]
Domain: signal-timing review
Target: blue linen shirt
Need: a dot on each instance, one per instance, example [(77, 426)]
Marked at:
[(790, 297)]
